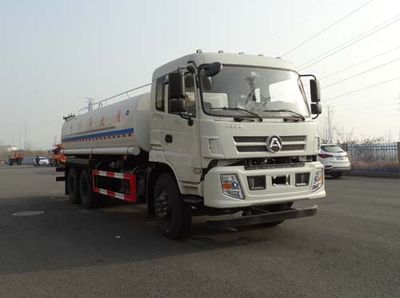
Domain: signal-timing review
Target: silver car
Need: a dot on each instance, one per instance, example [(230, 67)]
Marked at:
[(43, 161), (334, 159)]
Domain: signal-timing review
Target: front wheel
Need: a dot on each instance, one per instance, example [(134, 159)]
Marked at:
[(174, 217)]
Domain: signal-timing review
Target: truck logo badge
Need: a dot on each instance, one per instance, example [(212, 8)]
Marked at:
[(274, 144)]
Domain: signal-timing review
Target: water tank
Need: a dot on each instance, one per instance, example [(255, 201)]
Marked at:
[(118, 128)]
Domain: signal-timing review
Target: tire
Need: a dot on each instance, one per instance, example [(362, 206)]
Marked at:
[(73, 186), (336, 174), (174, 217), (89, 199), (275, 208)]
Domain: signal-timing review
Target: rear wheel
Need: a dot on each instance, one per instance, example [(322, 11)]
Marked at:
[(174, 217), (73, 186), (88, 198)]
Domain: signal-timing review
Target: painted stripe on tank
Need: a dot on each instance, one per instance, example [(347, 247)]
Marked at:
[(101, 135)]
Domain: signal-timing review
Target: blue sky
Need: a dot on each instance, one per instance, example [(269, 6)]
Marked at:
[(54, 54)]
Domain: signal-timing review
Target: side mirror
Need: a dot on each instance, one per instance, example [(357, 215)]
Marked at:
[(191, 69), (316, 108), (211, 69), (315, 91), (177, 105), (176, 85)]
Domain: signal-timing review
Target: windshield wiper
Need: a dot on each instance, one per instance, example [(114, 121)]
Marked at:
[(289, 111), (240, 109)]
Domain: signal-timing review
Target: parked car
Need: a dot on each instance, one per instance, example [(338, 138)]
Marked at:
[(334, 159), (44, 161)]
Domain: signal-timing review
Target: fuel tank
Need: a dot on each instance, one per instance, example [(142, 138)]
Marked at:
[(118, 128)]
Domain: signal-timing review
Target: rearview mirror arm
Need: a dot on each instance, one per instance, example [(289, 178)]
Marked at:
[(308, 75), (187, 117)]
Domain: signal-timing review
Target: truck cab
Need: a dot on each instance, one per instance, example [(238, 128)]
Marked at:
[(236, 130)]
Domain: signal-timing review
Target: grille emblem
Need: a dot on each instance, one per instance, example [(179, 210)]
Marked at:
[(274, 144)]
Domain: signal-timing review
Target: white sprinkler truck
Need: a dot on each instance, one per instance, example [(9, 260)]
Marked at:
[(218, 134)]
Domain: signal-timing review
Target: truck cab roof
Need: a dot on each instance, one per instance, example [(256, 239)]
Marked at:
[(224, 58)]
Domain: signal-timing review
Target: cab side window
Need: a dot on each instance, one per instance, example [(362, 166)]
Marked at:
[(189, 100), (160, 94)]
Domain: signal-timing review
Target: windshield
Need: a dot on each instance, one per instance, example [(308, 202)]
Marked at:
[(270, 93)]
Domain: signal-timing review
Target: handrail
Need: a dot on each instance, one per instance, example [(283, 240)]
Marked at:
[(122, 93), (100, 102)]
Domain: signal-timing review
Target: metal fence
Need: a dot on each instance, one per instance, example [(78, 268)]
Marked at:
[(374, 156)]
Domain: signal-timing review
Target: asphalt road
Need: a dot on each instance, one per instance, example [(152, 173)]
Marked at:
[(350, 249)]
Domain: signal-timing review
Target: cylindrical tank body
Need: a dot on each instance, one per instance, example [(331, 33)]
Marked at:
[(118, 128)]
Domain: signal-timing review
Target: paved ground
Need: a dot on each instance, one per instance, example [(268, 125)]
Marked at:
[(351, 248)]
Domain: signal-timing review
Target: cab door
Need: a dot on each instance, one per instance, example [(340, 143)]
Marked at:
[(157, 116), (180, 136)]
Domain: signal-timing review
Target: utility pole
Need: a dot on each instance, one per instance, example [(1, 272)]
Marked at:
[(19, 138), (25, 137), (398, 138), (329, 124)]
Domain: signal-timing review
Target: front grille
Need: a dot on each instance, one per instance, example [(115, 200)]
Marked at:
[(293, 138), (258, 144), (250, 139), (259, 182), (251, 148), (293, 147)]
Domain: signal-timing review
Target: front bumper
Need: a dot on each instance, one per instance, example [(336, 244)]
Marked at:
[(272, 194)]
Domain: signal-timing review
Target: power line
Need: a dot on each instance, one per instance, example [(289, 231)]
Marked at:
[(375, 110), (364, 88), (369, 102), (359, 63), (361, 108), (350, 42), (299, 22), (327, 28), (361, 73)]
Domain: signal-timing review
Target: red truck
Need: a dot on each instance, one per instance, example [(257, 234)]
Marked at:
[(16, 157)]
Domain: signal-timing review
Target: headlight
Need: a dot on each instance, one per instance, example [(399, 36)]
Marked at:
[(231, 186), (318, 179)]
